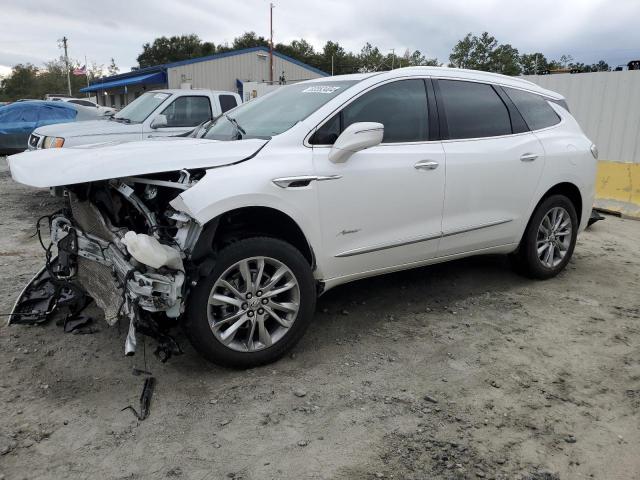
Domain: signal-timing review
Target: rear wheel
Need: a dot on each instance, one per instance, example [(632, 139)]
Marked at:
[(254, 306), (549, 239)]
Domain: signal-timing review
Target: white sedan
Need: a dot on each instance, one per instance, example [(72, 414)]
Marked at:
[(234, 234), (102, 110)]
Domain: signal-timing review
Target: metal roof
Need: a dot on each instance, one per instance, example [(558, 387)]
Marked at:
[(233, 53), (147, 78), (113, 81)]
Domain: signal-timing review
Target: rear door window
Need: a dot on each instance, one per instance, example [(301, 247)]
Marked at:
[(473, 110), (535, 109), (188, 111)]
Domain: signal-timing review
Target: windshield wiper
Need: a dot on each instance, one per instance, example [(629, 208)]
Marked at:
[(239, 130), (121, 119)]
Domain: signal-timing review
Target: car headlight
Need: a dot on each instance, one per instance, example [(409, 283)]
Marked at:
[(53, 142), (594, 151)]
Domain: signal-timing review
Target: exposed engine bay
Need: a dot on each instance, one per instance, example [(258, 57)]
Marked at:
[(122, 243)]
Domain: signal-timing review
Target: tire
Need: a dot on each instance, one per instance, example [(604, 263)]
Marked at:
[(540, 266), (249, 344)]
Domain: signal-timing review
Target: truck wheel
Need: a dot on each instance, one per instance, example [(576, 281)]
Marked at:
[(550, 237), (254, 306)]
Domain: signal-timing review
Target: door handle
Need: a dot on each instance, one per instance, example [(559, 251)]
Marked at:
[(528, 157), (426, 165)]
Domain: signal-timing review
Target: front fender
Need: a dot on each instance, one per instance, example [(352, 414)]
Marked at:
[(229, 188)]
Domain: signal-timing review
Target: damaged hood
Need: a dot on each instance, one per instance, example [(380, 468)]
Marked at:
[(90, 163)]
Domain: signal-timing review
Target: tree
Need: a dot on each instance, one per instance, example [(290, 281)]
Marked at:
[(173, 49), (475, 52), (484, 53), (578, 67), (461, 54), (370, 59), (601, 66), (300, 50), (555, 65), (29, 81), (94, 71), (506, 60), (416, 59), (565, 60), (113, 68), (334, 55), (20, 83), (533, 63), (249, 40)]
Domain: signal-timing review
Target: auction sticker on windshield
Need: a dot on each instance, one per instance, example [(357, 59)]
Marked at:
[(320, 89)]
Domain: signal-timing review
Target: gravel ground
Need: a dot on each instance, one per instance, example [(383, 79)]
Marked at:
[(461, 370)]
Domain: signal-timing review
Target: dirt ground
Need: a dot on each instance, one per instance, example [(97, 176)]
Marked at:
[(461, 370)]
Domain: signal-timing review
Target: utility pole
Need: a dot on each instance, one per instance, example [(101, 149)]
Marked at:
[(393, 58), (271, 43), (66, 62), (332, 65), (86, 74)]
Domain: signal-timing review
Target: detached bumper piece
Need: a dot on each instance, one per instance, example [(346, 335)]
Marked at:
[(120, 286), (46, 296), (594, 217)]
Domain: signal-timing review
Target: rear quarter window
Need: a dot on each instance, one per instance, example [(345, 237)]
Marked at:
[(535, 109), (227, 102), (84, 103), (473, 110)]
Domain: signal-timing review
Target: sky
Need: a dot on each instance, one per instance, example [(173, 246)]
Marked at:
[(588, 30)]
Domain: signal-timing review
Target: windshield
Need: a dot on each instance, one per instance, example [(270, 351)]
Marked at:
[(138, 110), (276, 112)]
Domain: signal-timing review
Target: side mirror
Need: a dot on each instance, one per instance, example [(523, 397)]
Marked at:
[(356, 137), (159, 122)]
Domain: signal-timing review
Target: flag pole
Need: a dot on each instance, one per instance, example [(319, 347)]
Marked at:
[(86, 74)]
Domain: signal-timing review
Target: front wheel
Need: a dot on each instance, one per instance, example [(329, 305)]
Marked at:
[(550, 237), (254, 306)]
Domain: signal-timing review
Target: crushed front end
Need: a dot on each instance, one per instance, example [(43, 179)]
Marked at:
[(123, 244)]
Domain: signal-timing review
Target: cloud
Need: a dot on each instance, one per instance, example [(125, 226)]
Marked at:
[(4, 71), (587, 29)]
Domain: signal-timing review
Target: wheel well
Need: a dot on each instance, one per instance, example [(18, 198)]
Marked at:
[(570, 191), (249, 222)]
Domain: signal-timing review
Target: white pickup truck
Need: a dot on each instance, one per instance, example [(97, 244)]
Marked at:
[(158, 113)]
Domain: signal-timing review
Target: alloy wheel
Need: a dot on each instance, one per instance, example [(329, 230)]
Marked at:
[(554, 237), (253, 304)]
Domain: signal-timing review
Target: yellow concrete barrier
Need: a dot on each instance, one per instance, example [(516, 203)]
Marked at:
[(618, 187)]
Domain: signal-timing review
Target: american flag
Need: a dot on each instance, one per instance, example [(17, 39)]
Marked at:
[(80, 70)]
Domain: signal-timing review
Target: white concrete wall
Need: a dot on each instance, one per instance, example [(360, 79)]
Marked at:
[(222, 73), (607, 106)]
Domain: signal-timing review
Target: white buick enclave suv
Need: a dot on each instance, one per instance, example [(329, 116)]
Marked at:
[(233, 235)]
